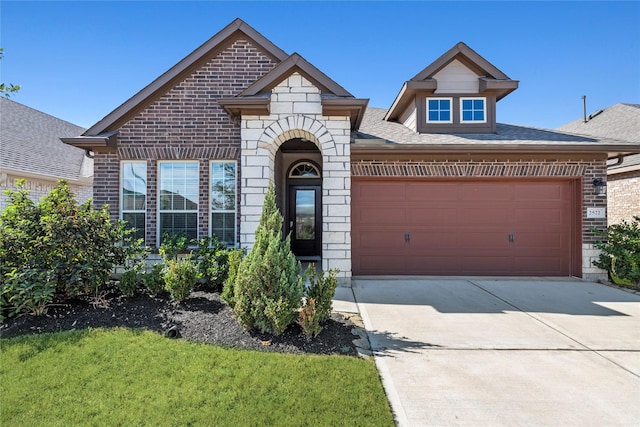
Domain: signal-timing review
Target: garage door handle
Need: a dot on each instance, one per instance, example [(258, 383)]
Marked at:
[(407, 237), (512, 237)]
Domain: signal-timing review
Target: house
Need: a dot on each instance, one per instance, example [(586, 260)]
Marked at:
[(30, 149), (619, 122), (434, 185)]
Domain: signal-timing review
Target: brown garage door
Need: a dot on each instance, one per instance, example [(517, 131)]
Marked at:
[(462, 227)]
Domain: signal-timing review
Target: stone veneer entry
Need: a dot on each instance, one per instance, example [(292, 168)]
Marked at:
[(296, 112)]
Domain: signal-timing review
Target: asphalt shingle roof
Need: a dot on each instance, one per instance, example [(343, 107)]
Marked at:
[(375, 127), (29, 142), (620, 121)]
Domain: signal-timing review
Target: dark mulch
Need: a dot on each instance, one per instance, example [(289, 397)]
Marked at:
[(203, 317)]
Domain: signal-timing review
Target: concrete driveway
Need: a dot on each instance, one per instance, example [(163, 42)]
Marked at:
[(504, 352)]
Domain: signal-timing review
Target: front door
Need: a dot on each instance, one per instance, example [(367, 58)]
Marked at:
[(305, 224)]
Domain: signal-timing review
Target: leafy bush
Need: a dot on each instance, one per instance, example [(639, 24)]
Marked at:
[(29, 290), (318, 305), (173, 245), (213, 262), (153, 280), (74, 247), (128, 282), (620, 254), (268, 287), (180, 276)]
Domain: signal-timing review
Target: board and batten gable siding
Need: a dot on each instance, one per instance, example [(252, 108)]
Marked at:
[(409, 117), (455, 77), (185, 123)]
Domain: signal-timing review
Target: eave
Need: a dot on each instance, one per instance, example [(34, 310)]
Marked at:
[(106, 142), (248, 106), (352, 107), (501, 88), (384, 147), (407, 95)]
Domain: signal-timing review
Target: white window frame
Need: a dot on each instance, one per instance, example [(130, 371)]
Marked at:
[(235, 205), (159, 202), (484, 109), (450, 109), (146, 193)]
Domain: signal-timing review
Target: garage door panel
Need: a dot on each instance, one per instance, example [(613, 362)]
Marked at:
[(493, 191), (443, 217), (380, 216), (463, 227), (472, 216)]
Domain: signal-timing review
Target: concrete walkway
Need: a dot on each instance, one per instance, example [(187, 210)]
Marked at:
[(504, 352)]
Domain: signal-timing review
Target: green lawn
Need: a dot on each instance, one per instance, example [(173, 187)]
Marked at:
[(129, 377)]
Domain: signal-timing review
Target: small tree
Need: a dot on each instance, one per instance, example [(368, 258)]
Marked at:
[(268, 286)]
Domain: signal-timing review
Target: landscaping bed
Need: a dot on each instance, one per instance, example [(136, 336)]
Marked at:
[(203, 317)]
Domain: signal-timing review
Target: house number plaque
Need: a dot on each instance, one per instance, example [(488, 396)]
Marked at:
[(596, 213)]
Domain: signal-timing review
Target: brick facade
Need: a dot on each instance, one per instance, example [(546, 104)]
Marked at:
[(623, 194), (185, 123), (38, 188)]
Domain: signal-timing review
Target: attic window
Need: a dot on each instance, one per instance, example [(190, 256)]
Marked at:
[(472, 110), (304, 170), (439, 110)]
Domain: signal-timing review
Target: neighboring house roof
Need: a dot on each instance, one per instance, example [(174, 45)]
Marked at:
[(489, 78), (378, 134), (620, 122), (30, 145)]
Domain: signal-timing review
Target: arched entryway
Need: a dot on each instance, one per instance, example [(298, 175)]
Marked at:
[(298, 170)]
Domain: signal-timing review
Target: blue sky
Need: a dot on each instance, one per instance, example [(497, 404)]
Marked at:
[(80, 60)]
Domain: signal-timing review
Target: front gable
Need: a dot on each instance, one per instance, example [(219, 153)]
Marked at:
[(456, 93)]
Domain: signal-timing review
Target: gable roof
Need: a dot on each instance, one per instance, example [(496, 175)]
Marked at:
[(379, 135), (620, 122), (334, 98), (176, 73), (30, 145), (490, 77)]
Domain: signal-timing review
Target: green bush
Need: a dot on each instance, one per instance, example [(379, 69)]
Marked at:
[(234, 260), (173, 245), (29, 290), (268, 286), (212, 258), (74, 247), (153, 280), (180, 276), (318, 304), (128, 282), (620, 252)]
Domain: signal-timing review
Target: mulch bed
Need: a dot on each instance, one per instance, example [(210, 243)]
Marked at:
[(203, 317)]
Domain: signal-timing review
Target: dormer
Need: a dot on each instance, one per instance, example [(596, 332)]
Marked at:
[(455, 94)]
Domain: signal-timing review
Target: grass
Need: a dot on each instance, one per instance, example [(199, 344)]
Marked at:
[(129, 377)]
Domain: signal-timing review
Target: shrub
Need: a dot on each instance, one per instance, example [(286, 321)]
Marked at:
[(75, 247), (318, 305), (180, 276), (212, 258), (173, 245), (620, 252), (268, 287), (153, 280), (234, 260), (128, 282), (29, 290)]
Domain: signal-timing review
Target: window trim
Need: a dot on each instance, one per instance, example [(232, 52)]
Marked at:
[(484, 109), (159, 209), (146, 194), (235, 205), (445, 98)]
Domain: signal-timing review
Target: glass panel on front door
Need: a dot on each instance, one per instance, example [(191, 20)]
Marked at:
[(305, 221)]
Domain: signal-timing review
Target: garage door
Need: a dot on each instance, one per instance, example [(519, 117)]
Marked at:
[(462, 227)]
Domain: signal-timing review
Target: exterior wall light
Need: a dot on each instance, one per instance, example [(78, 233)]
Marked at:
[(600, 186)]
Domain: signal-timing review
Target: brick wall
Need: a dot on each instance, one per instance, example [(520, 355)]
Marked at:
[(185, 123), (623, 196)]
